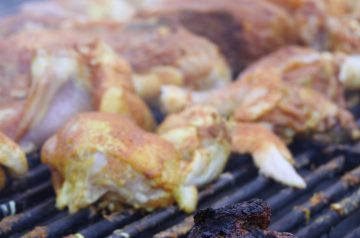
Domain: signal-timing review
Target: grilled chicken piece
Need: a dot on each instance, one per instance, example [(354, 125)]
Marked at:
[(246, 219), (203, 137), (330, 24), (65, 81), (264, 97), (244, 30), (105, 156), (160, 52), (322, 71), (12, 159), (268, 151), (199, 133)]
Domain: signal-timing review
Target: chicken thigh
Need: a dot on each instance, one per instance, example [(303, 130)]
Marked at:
[(105, 156)]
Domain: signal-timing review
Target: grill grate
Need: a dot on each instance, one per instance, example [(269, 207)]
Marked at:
[(332, 185), (329, 204)]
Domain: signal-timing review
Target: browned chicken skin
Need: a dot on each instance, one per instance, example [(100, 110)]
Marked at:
[(159, 51), (65, 81), (11, 158), (200, 134), (262, 96), (246, 219), (102, 155), (194, 141)]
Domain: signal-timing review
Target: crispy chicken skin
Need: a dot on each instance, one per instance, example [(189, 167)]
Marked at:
[(330, 24), (264, 97), (246, 219), (65, 81), (159, 51), (102, 155), (244, 30), (328, 73), (199, 133), (12, 158), (263, 104)]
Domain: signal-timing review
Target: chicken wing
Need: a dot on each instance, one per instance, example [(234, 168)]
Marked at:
[(244, 30), (268, 151), (12, 159), (204, 139), (325, 72), (200, 134), (105, 156), (65, 81), (264, 97)]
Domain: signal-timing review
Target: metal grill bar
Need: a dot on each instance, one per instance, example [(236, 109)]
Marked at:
[(28, 219), (332, 217), (152, 220), (34, 177), (330, 169), (323, 172), (319, 201), (26, 200), (62, 226), (354, 234)]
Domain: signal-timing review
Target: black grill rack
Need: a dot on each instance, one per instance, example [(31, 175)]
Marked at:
[(328, 207), (330, 201)]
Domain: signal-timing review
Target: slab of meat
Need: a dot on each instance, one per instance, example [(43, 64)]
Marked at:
[(248, 219)]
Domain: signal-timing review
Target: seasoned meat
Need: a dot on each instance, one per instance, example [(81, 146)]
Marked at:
[(106, 156)]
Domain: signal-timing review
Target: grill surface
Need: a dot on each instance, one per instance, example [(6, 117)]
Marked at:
[(329, 207)]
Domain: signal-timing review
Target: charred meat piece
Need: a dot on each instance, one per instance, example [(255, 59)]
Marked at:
[(248, 219)]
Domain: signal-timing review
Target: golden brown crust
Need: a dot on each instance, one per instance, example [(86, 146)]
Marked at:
[(123, 156), (112, 86)]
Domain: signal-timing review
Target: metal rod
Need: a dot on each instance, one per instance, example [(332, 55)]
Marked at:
[(106, 226), (245, 192), (34, 177), (28, 219), (226, 180), (354, 234), (332, 217), (286, 195), (25, 200), (318, 202), (62, 226), (260, 183)]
